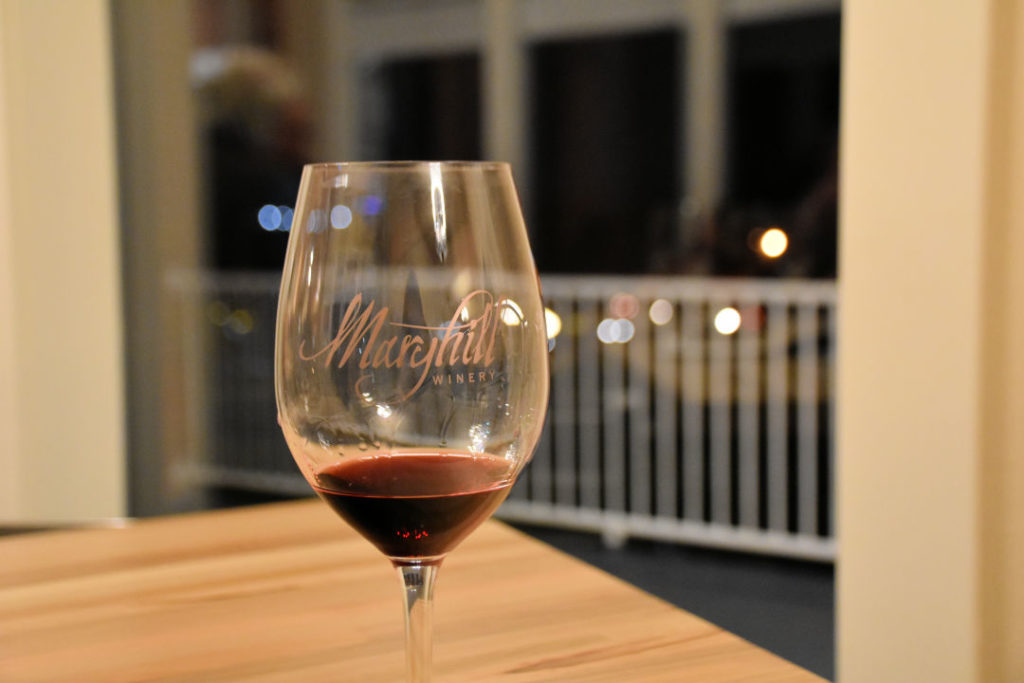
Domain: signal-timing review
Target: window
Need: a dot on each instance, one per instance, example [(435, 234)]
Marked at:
[(604, 148), (422, 108), (783, 80)]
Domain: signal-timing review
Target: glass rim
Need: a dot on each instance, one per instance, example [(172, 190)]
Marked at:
[(404, 165)]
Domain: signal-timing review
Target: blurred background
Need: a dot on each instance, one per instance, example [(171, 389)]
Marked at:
[(677, 163), (676, 160)]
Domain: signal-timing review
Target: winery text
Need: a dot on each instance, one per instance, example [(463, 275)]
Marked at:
[(464, 341)]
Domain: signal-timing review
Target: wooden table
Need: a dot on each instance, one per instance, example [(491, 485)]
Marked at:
[(287, 592)]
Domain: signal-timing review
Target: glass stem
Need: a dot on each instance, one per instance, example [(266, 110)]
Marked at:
[(418, 596)]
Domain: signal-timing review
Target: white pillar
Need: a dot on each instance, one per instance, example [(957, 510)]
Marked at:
[(61, 350), (339, 126), (930, 373), (162, 233), (703, 153), (10, 440), (505, 134)]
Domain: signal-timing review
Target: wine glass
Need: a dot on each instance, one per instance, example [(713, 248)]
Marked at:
[(411, 357)]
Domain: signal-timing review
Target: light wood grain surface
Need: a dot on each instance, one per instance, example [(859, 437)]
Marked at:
[(287, 592)]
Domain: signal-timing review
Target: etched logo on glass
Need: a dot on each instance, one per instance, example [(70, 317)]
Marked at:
[(466, 341)]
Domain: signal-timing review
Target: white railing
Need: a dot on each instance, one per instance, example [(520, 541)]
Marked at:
[(682, 432), (670, 430)]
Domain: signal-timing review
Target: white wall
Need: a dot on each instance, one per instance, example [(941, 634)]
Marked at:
[(1001, 485), (10, 472), (61, 390), (931, 510)]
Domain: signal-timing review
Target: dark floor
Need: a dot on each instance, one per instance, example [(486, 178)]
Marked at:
[(784, 606)]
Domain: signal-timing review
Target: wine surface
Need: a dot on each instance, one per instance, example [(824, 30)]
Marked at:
[(415, 505)]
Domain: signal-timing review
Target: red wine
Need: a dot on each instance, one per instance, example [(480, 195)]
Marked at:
[(415, 505)]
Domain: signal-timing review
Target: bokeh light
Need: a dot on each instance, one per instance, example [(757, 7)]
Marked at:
[(317, 221), (660, 312), (240, 321), (727, 320), (217, 312), (624, 306), (286, 218), (269, 217), (615, 331), (341, 217), (625, 330), (371, 205), (773, 243), (553, 322)]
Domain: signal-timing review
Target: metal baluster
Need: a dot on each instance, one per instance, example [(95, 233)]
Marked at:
[(666, 347), (614, 395), (807, 419), (539, 470), (777, 359), (638, 396), (563, 399), (830, 397), (749, 394), (720, 400), (589, 414), (694, 367)]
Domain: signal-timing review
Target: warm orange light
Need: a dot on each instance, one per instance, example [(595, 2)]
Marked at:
[(774, 243)]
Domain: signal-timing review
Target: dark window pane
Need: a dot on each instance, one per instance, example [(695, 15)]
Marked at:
[(604, 149), (784, 107), (428, 109), (782, 144)]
